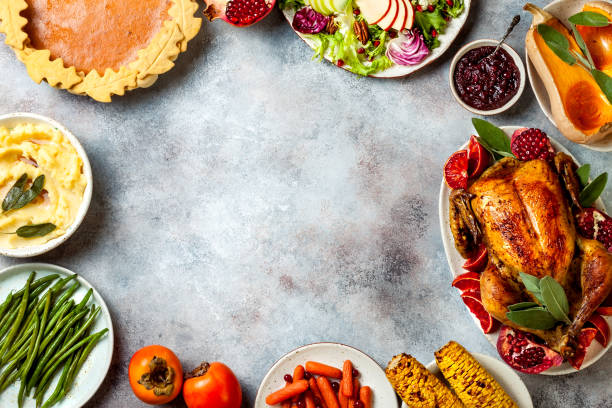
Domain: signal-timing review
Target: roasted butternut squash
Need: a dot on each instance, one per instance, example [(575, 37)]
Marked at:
[(599, 39), (581, 111)]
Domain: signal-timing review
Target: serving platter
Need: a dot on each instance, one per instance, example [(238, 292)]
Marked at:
[(503, 374), (333, 354), (562, 9), (95, 368), (455, 262), (395, 71)]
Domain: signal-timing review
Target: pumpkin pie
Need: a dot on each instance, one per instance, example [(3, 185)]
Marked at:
[(98, 48)]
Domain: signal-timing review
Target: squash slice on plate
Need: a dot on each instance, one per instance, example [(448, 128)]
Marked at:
[(580, 109), (599, 39)]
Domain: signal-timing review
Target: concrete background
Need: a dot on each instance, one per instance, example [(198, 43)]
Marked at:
[(253, 201)]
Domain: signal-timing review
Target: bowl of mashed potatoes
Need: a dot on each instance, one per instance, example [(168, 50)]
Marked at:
[(45, 184)]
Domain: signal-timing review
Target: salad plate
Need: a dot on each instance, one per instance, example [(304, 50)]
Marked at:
[(562, 9), (594, 352), (95, 368), (503, 374), (436, 28), (333, 354)]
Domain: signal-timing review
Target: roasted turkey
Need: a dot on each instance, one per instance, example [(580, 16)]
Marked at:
[(523, 212)]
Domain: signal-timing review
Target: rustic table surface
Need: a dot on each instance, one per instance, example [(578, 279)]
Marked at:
[(253, 201)]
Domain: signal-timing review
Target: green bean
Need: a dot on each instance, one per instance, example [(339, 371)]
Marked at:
[(67, 353), (70, 332), (55, 396), (6, 374), (11, 316), (28, 363), (22, 309), (85, 299), (58, 315), (36, 284), (9, 380), (67, 295), (7, 313), (79, 332), (6, 304), (17, 345), (66, 322), (74, 369)]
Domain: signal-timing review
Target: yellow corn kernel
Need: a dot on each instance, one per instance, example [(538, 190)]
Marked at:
[(471, 382)]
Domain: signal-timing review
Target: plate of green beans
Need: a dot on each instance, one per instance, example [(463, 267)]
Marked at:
[(56, 337)]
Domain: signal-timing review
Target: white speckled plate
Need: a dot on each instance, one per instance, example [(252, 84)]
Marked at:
[(97, 364), (503, 374), (455, 262), (562, 9), (452, 31), (334, 354)]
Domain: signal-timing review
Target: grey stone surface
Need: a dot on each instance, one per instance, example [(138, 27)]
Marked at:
[(253, 201)]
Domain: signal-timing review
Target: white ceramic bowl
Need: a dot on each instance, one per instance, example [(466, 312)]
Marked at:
[(95, 368), (562, 9), (455, 262), (334, 354), (481, 43), (503, 374), (13, 119)]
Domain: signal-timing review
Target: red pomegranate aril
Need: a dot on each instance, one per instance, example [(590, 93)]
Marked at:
[(376, 43), (361, 50), (419, 7), (358, 404), (288, 378), (301, 404), (307, 376), (355, 373), (340, 63), (449, 2), (430, 8), (356, 12), (335, 386), (317, 401), (434, 33)]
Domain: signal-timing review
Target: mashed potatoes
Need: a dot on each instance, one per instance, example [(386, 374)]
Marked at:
[(39, 150)]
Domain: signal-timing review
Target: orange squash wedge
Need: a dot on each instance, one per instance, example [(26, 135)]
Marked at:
[(599, 39), (580, 109)]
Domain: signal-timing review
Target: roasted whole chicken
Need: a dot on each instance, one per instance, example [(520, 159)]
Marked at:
[(524, 213)]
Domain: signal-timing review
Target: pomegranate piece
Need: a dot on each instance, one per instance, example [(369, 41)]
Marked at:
[(605, 310), (473, 302), (467, 282), (594, 224), (456, 170), (522, 351), (240, 13), (478, 158), (531, 144), (478, 262), (585, 338), (603, 330)]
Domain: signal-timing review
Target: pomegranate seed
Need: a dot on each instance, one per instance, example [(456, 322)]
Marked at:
[(434, 33), (358, 404), (376, 43), (361, 50), (307, 376), (335, 386), (340, 63), (355, 373), (301, 404), (419, 8), (449, 2), (288, 378), (430, 8), (356, 12), (317, 401)]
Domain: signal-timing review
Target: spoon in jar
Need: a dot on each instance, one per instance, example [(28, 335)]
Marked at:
[(513, 24)]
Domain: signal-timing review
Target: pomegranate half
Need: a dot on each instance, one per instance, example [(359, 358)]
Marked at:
[(239, 13), (522, 352)]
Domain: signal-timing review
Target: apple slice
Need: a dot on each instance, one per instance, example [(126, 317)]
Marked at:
[(410, 14), (402, 14), (374, 10), (387, 22)]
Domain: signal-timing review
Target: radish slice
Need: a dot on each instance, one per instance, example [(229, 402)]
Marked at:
[(374, 10), (387, 22), (400, 22)]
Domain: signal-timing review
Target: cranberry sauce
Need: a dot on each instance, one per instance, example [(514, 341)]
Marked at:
[(486, 83)]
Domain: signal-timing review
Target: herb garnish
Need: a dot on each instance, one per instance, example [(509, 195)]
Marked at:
[(559, 44), (554, 308), (18, 197), (492, 138), (590, 191), (30, 231)]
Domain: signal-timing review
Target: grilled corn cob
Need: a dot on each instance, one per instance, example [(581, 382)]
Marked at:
[(418, 387), (471, 382)]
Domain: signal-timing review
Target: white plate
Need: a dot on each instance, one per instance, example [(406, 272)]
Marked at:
[(334, 354), (13, 119), (452, 31), (562, 9), (503, 374), (455, 262), (97, 364)]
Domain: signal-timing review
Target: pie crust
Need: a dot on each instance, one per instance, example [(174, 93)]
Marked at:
[(155, 59)]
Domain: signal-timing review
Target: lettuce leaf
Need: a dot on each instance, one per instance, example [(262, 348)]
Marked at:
[(455, 10), (428, 21), (291, 4)]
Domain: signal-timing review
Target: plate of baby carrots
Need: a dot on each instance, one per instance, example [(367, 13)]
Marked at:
[(326, 375)]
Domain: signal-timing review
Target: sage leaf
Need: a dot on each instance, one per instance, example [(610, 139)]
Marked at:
[(14, 193), (536, 318), (583, 48), (583, 172), (532, 284), (522, 306), (30, 194), (589, 19), (604, 82), (555, 299), (38, 230), (493, 138), (593, 190), (557, 43)]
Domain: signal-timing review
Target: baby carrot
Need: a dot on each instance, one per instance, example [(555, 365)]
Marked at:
[(347, 379), (355, 396), (290, 391), (315, 390), (298, 374), (309, 399), (343, 399), (328, 393), (322, 369), (365, 396)]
